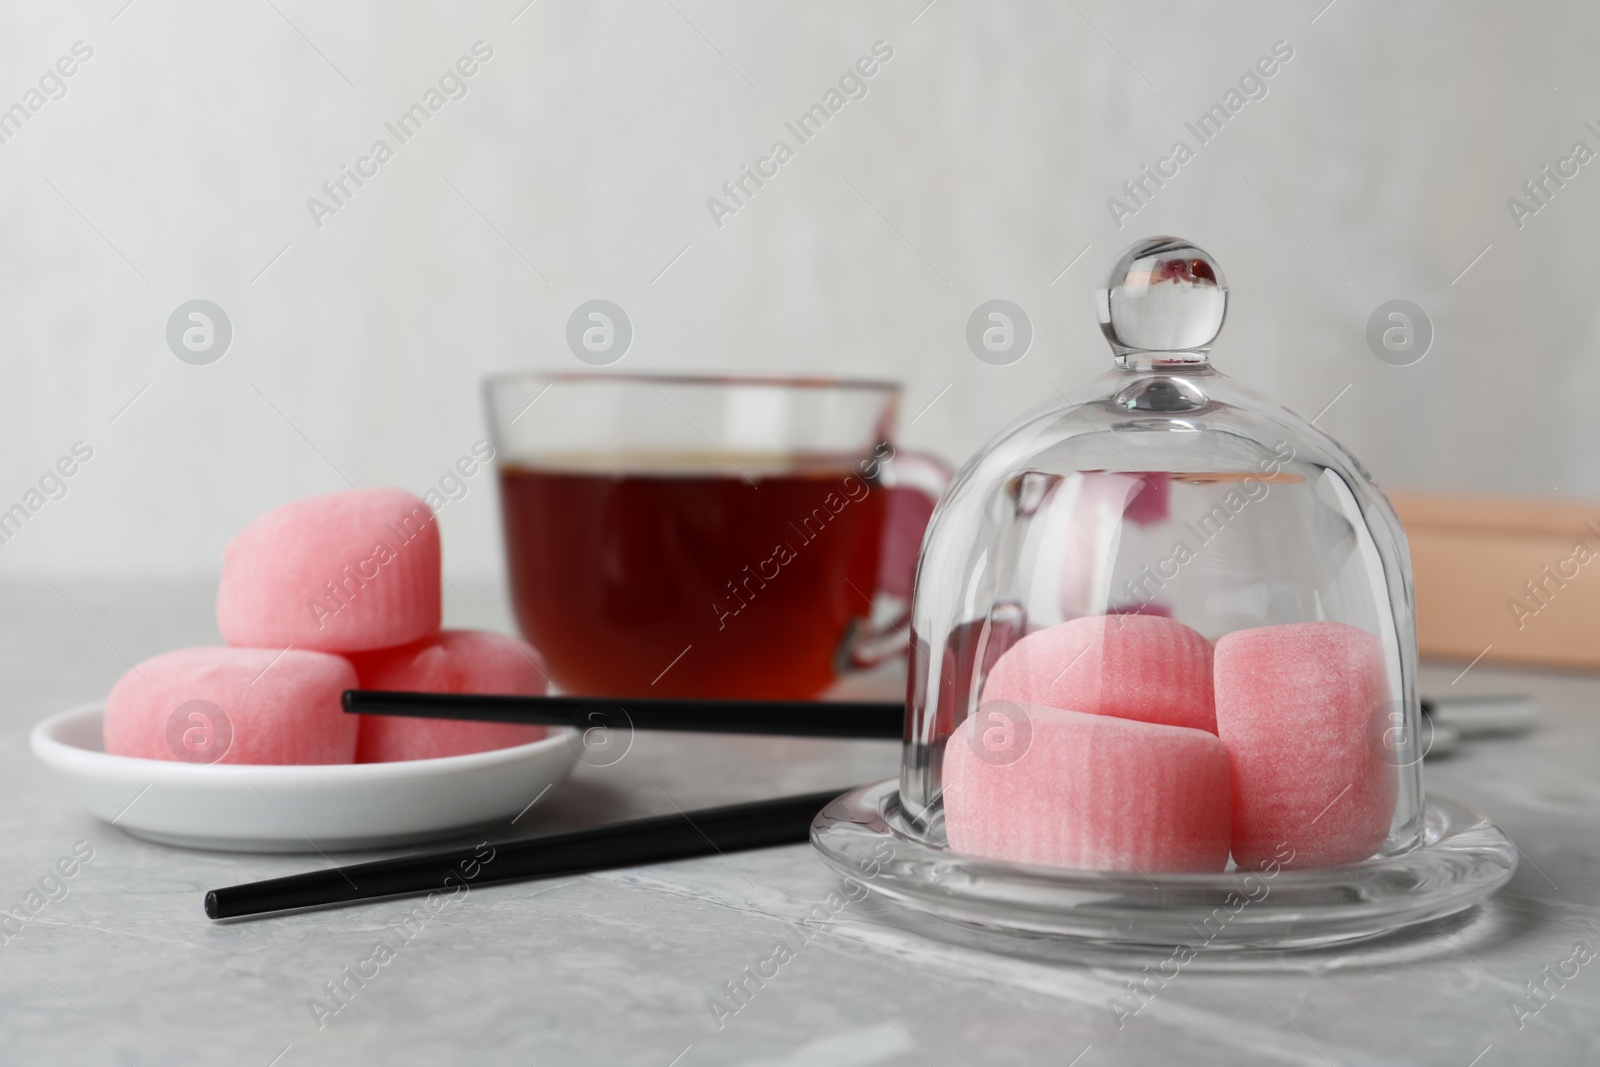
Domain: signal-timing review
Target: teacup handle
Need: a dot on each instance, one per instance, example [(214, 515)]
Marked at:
[(914, 482)]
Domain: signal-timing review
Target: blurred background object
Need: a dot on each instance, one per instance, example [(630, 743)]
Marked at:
[(540, 156), (1505, 579)]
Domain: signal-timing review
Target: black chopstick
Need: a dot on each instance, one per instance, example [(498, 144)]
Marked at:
[(793, 718), (737, 827)]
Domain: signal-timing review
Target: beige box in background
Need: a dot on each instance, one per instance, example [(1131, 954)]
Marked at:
[(1518, 577)]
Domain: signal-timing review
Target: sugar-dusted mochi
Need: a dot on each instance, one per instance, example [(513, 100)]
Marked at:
[(253, 705), (345, 572), (451, 661), (1092, 792), (1145, 667), (1301, 708)]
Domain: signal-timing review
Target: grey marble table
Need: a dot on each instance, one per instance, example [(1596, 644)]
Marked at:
[(622, 967)]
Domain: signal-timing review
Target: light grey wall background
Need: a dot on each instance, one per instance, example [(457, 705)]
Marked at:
[(178, 163)]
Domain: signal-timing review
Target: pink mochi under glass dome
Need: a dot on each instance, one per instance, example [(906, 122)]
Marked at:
[(1162, 688)]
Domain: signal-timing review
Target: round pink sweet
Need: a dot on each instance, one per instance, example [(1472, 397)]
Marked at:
[(1091, 792), (233, 705), (345, 572), (451, 661), (1301, 708), (1144, 667)]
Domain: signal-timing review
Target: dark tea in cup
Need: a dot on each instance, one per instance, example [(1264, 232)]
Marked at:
[(675, 578), (643, 563)]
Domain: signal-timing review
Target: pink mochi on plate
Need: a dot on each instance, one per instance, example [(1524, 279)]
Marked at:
[(1145, 667), (1301, 708), (452, 661), (233, 705), (1089, 792), (344, 572)]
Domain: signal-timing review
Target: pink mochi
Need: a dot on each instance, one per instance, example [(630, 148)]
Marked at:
[(1090, 792), (1144, 667), (1301, 708), (345, 572), (452, 661), (251, 705)]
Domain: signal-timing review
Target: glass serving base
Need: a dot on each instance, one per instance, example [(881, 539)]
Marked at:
[(1461, 859)]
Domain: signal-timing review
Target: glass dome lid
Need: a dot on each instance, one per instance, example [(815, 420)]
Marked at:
[(1163, 641)]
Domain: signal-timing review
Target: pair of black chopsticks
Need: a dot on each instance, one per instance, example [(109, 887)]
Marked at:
[(733, 828)]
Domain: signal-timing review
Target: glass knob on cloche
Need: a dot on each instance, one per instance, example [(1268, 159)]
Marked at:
[(1164, 302), (1164, 666)]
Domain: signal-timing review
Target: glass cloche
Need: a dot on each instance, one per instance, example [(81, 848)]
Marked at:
[(1163, 678)]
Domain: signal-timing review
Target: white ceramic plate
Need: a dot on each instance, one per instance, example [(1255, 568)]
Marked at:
[(326, 808)]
